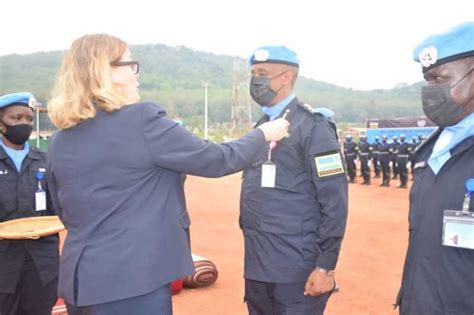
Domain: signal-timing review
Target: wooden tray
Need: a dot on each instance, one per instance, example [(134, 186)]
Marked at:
[(30, 228)]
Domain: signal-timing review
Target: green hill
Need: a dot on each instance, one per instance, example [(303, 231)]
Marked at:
[(174, 77)]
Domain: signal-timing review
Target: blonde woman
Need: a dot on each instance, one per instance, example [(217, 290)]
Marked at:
[(116, 168)]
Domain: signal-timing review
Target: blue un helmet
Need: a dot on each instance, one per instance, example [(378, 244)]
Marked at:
[(363, 138), (402, 138), (414, 139), (377, 139), (395, 139), (384, 138)]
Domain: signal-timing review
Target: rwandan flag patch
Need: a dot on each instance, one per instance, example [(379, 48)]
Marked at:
[(329, 164)]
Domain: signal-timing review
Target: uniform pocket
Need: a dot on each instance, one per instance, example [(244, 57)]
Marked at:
[(282, 239), (281, 226)]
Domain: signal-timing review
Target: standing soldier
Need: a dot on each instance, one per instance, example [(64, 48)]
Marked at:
[(414, 144), (364, 155), (385, 149), (393, 156), (404, 150), (350, 154), (375, 156)]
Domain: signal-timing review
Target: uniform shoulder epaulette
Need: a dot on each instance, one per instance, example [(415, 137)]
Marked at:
[(38, 150), (309, 109)]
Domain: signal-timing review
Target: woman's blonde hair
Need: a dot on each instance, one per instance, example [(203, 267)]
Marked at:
[(84, 82)]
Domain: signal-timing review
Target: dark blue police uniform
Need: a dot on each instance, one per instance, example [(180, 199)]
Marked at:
[(375, 157), (438, 275), (437, 279), (393, 157), (385, 150), (414, 144), (365, 151), (299, 224), (28, 268), (350, 154), (404, 150)]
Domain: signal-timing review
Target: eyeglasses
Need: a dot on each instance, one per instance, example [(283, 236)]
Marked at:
[(134, 65)]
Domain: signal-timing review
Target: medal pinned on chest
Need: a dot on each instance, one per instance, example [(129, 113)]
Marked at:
[(40, 194), (269, 168), (458, 226)]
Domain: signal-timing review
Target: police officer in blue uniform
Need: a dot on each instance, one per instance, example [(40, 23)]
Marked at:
[(375, 156), (293, 201), (403, 155), (414, 145), (28, 268), (393, 156), (385, 150), (351, 150), (365, 154), (438, 275)]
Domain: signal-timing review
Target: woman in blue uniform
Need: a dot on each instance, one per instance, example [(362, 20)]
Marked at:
[(28, 268)]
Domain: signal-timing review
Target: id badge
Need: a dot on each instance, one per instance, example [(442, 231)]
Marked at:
[(268, 174), (458, 229), (40, 200)]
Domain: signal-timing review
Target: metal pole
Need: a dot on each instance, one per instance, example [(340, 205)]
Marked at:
[(205, 111)]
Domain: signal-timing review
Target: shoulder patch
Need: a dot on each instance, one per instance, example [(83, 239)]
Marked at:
[(328, 164)]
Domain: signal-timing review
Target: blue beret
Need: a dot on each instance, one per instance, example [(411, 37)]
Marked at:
[(275, 54), (438, 49), (20, 98)]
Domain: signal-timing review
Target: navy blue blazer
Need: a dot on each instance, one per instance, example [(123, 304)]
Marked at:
[(116, 181)]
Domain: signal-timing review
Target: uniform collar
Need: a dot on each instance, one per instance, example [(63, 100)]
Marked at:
[(17, 156), (463, 146), (275, 110)]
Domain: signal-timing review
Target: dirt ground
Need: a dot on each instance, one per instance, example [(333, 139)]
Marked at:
[(370, 263)]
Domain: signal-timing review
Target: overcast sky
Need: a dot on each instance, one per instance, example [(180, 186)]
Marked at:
[(362, 44)]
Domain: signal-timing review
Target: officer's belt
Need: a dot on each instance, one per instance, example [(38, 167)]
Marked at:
[(364, 153), (384, 152), (350, 154), (375, 152), (402, 155)]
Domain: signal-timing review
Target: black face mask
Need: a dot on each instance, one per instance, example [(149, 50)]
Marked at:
[(17, 134), (260, 90), (438, 104)]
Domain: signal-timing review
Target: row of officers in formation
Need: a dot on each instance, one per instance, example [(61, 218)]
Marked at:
[(388, 158)]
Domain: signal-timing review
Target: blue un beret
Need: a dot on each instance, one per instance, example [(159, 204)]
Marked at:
[(20, 98), (275, 54), (456, 43)]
